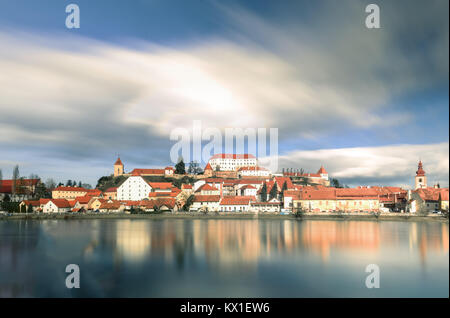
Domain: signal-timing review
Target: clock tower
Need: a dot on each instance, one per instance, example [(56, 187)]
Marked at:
[(421, 178)]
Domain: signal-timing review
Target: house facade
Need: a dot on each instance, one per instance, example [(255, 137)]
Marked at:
[(134, 188)]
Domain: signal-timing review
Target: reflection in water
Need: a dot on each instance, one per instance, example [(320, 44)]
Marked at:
[(170, 253)]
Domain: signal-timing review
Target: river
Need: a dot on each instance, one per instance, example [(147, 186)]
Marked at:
[(223, 258)]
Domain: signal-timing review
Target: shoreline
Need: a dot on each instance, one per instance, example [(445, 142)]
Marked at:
[(227, 215)]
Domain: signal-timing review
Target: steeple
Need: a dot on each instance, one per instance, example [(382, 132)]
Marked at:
[(420, 179), (118, 167), (420, 171)]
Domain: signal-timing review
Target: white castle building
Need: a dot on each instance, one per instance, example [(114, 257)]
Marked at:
[(232, 162)]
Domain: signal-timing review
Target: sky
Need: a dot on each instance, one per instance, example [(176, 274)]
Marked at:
[(368, 104)]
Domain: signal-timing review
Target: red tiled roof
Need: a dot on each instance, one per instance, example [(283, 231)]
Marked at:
[(114, 205), (251, 181), (93, 192), (113, 189), (237, 200), (70, 189), (281, 180), (151, 204), (32, 202), (186, 186), (252, 168), (139, 171), (43, 201), (161, 185), (248, 186), (233, 156), (322, 170), (61, 203), (207, 187), (432, 194), (328, 194), (206, 198), (84, 199), (25, 182), (118, 162), (208, 167), (444, 194)]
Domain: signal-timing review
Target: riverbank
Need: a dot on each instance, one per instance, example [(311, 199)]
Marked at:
[(227, 215)]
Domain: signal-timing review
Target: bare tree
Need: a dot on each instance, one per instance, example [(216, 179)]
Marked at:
[(15, 177), (50, 184)]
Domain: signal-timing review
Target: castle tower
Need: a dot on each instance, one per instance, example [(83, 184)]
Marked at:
[(118, 168), (208, 170), (323, 173), (421, 178)]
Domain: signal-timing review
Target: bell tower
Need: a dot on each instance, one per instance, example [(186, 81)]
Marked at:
[(118, 167), (421, 178)]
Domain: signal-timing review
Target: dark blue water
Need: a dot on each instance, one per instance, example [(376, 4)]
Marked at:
[(223, 258)]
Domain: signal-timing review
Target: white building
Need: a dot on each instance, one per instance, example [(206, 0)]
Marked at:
[(236, 203), (205, 203), (57, 206), (273, 205), (248, 190), (135, 188), (232, 162), (253, 171)]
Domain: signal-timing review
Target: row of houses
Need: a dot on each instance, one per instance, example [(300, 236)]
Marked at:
[(255, 193), (97, 205)]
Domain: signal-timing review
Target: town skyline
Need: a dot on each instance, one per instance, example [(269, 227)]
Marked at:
[(365, 103)]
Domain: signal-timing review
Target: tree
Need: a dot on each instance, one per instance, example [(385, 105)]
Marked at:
[(80, 184), (217, 168), (87, 185), (179, 167), (42, 191), (273, 192), (30, 208), (335, 183), (14, 179), (188, 203), (264, 192), (69, 183), (50, 184), (194, 168), (284, 188), (1, 178)]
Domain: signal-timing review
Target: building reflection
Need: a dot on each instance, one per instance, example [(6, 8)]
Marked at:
[(225, 243), (220, 244)]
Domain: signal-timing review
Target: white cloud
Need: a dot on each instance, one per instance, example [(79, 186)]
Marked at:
[(386, 165)]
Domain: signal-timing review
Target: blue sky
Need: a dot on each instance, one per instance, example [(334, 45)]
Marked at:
[(135, 70)]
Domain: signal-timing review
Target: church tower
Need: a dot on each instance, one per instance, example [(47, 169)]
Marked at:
[(421, 178), (118, 168)]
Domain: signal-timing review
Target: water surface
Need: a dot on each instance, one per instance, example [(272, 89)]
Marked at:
[(223, 258)]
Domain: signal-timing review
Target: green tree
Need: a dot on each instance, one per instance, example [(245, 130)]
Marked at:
[(335, 183), (284, 188), (180, 167), (69, 183), (274, 191), (41, 191), (30, 208), (1, 178), (264, 192)]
